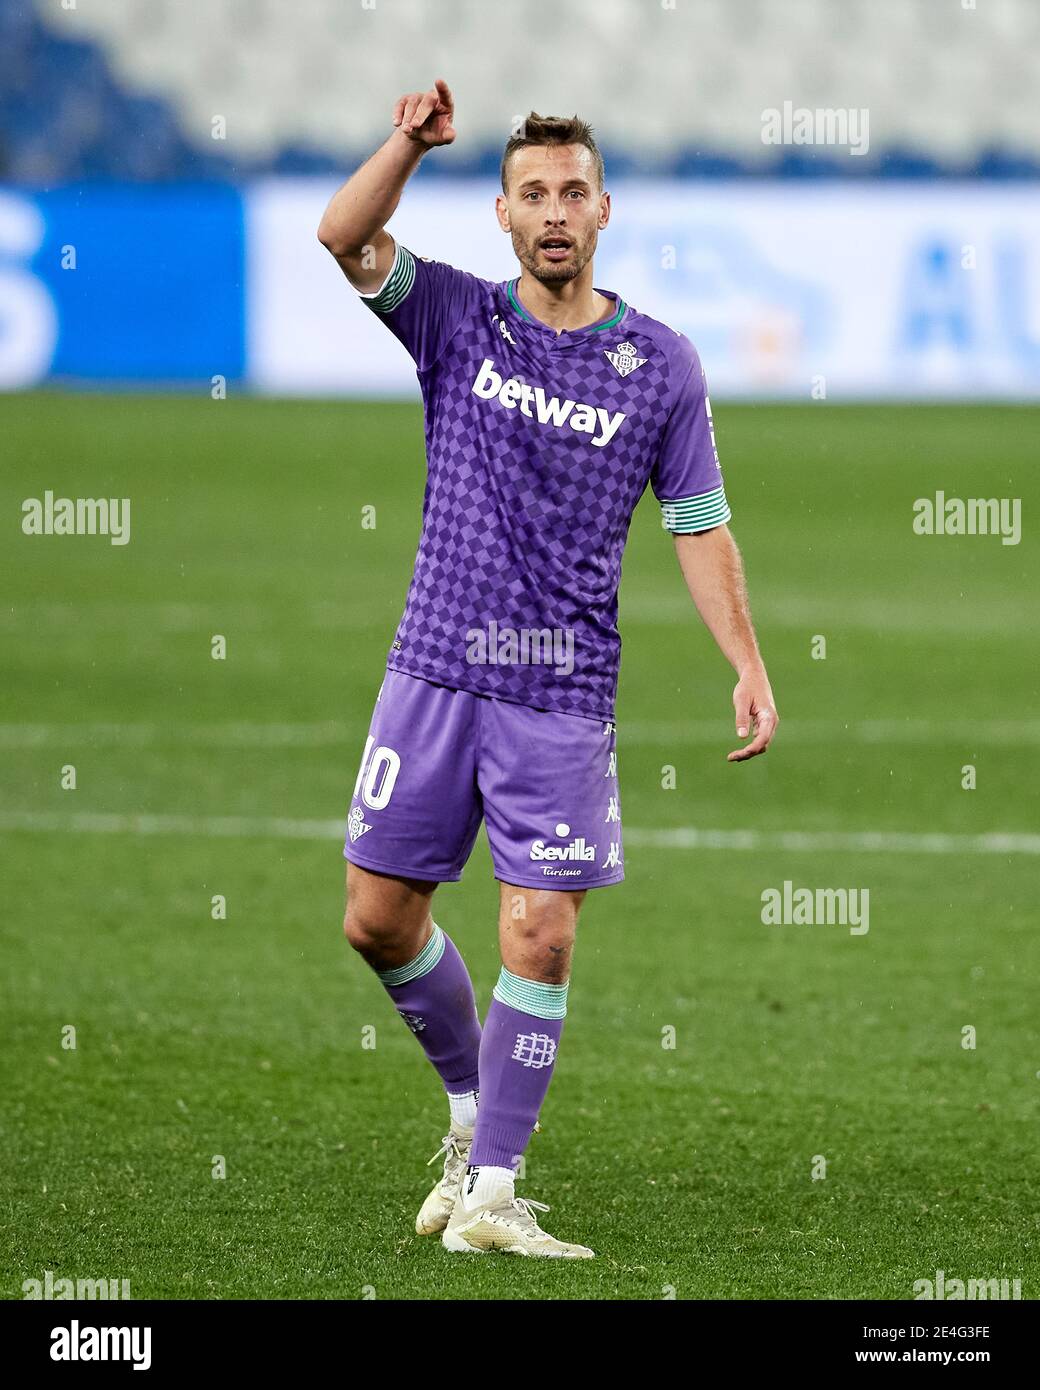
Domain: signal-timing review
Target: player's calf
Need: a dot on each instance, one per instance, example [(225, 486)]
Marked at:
[(388, 922)]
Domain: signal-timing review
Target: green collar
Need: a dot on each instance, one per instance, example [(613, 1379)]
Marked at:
[(612, 322)]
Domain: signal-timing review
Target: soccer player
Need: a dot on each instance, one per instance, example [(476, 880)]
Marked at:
[(549, 405)]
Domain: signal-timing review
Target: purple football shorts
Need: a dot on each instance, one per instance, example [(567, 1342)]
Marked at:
[(438, 760)]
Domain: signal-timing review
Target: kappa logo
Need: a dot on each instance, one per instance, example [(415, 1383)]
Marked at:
[(503, 329), (623, 359), (548, 410), (356, 826), (534, 1050), (711, 423)]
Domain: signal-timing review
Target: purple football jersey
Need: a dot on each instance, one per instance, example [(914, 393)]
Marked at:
[(538, 447)]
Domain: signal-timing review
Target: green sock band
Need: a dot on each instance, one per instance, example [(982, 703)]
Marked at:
[(531, 996), (421, 965)]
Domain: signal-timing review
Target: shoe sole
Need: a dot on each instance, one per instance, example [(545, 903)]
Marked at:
[(455, 1243)]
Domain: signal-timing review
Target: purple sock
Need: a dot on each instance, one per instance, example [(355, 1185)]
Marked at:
[(517, 1054), (434, 996)]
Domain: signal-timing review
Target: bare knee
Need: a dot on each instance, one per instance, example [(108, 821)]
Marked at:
[(544, 955), (366, 930), (386, 920), (538, 941)]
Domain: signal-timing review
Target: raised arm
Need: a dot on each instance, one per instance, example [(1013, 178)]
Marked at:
[(714, 574), (352, 227)]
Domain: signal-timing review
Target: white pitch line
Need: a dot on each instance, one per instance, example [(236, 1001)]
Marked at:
[(244, 734), (857, 841), (902, 615), (336, 734), (682, 837), (203, 827)]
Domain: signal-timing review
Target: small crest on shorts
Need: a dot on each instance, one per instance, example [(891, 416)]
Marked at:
[(356, 826)]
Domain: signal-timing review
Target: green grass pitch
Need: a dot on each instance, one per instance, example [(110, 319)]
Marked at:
[(688, 1169)]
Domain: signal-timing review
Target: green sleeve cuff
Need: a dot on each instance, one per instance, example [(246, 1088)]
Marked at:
[(397, 283), (689, 514)]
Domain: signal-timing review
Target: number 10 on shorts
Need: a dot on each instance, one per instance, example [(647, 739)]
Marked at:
[(377, 775)]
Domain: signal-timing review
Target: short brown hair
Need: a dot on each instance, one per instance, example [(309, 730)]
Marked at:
[(553, 130)]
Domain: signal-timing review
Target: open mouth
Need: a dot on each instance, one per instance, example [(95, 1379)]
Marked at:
[(555, 248)]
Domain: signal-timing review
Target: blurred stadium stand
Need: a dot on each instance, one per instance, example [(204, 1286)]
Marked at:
[(129, 89)]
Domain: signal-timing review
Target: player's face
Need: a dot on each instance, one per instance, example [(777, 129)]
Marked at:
[(554, 210)]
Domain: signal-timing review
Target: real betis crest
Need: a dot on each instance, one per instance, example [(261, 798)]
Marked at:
[(624, 360)]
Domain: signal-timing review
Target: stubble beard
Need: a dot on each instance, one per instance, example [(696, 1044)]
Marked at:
[(548, 272)]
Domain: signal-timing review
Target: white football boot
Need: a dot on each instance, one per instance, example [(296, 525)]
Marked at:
[(506, 1223), (436, 1210)]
